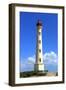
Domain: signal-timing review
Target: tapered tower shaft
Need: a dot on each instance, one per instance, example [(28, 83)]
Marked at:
[(39, 66)]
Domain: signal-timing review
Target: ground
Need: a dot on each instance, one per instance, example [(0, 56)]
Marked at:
[(33, 73)]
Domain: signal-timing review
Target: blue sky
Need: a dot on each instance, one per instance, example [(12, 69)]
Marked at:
[(28, 40)]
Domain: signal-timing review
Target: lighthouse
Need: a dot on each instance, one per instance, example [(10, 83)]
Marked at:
[(39, 65)]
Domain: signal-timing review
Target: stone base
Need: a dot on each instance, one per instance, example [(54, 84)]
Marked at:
[(39, 67)]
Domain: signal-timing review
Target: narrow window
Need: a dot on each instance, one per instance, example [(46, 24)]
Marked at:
[(39, 50), (39, 59), (39, 41)]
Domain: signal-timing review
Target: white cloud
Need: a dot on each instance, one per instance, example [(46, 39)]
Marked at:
[(26, 66), (31, 59), (50, 58)]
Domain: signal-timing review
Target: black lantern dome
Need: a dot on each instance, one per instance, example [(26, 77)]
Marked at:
[(39, 23)]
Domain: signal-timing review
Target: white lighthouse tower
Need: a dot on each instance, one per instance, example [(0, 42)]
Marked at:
[(39, 65)]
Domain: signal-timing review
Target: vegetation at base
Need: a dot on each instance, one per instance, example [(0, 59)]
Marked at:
[(33, 73), (37, 73)]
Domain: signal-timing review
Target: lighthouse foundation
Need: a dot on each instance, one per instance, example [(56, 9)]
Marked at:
[(39, 67)]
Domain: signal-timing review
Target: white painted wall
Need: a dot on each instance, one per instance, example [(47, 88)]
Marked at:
[(4, 45)]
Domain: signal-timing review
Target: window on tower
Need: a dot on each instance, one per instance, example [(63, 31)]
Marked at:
[(39, 41), (39, 59), (39, 50)]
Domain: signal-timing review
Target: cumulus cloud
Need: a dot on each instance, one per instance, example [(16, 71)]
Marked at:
[(31, 59), (50, 58), (26, 66)]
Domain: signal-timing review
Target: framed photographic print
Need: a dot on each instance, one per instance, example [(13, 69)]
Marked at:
[(36, 44)]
